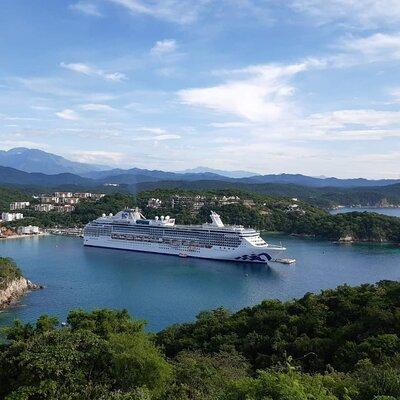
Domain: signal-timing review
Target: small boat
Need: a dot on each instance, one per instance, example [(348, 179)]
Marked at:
[(184, 255), (284, 260)]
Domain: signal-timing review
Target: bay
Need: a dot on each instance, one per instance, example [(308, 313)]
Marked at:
[(164, 289)]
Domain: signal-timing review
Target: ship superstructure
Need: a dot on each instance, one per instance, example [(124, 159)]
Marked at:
[(130, 230)]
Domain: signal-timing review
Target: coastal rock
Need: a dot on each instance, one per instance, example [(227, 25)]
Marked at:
[(15, 290), (346, 239)]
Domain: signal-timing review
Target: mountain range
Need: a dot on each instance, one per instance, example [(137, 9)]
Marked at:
[(35, 167), (34, 160), (228, 174)]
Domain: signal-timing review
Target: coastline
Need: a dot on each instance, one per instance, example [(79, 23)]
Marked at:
[(15, 290), (343, 240), (23, 236)]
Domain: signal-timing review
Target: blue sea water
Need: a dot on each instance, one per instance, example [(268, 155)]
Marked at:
[(164, 289), (391, 211)]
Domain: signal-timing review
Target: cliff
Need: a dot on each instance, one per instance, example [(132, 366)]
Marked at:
[(15, 290), (12, 284)]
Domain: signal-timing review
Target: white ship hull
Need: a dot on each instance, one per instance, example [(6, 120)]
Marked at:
[(245, 252)]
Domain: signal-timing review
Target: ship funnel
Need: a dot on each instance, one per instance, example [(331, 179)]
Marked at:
[(216, 219), (136, 214)]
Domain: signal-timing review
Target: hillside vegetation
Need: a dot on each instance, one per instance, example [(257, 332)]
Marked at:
[(325, 197), (269, 213), (342, 344), (9, 195), (9, 271)]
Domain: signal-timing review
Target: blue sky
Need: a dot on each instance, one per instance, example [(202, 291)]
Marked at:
[(296, 86)]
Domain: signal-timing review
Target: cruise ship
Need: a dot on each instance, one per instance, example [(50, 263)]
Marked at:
[(130, 230)]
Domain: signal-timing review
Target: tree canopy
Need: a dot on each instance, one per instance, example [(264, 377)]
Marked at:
[(340, 344)]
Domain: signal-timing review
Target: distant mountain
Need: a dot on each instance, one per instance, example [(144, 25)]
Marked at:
[(135, 175), (11, 176), (34, 160), (298, 179), (38, 161), (136, 180), (229, 174)]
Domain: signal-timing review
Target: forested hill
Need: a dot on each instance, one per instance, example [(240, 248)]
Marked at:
[(135, 181), (269, 213), (9, 195), (341, 344), (325, 197), (337, 328)]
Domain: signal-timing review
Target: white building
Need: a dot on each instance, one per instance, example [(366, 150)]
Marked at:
[(8, 217), (19, 205), (154, 203), (43, 207), (63, 194), (83, 195), (28, 230), (69, 200), (64, 209), (49, 199)]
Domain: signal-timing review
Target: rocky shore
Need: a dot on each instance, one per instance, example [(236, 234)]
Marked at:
[(15, 290)]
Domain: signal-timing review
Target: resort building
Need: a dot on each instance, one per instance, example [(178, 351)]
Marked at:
[(8, 217), (28, 230), (154, 203), (19, 205), (63, 194), (64, 209), (49, 199), (43, 207), (69, 200), (83, 195)]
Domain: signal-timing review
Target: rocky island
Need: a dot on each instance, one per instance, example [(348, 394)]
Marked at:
[(12, 284)]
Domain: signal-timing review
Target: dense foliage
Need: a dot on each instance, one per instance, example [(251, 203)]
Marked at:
[(274, 214), (9, 195), (325, 197), (269, 213), (9, 271), (338, 328), (340, 345)]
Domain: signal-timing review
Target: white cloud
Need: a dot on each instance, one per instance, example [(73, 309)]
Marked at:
[(376, 47), (224, 125), (86, 69), (165, 46), (68, 114), (6, 144), (160, 134), (363, 118), (166, 137), (99, 157), (358, 13), (261, 95), (178, 11), (51, 86), (395, 94), (97, 107), (158, 131), (87, 8)]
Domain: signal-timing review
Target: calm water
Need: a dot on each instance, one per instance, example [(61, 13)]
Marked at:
[(164, 289), (393, 212)]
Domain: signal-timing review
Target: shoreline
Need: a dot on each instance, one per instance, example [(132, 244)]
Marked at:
[(24, 236), (335, 241), (15, 291)]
